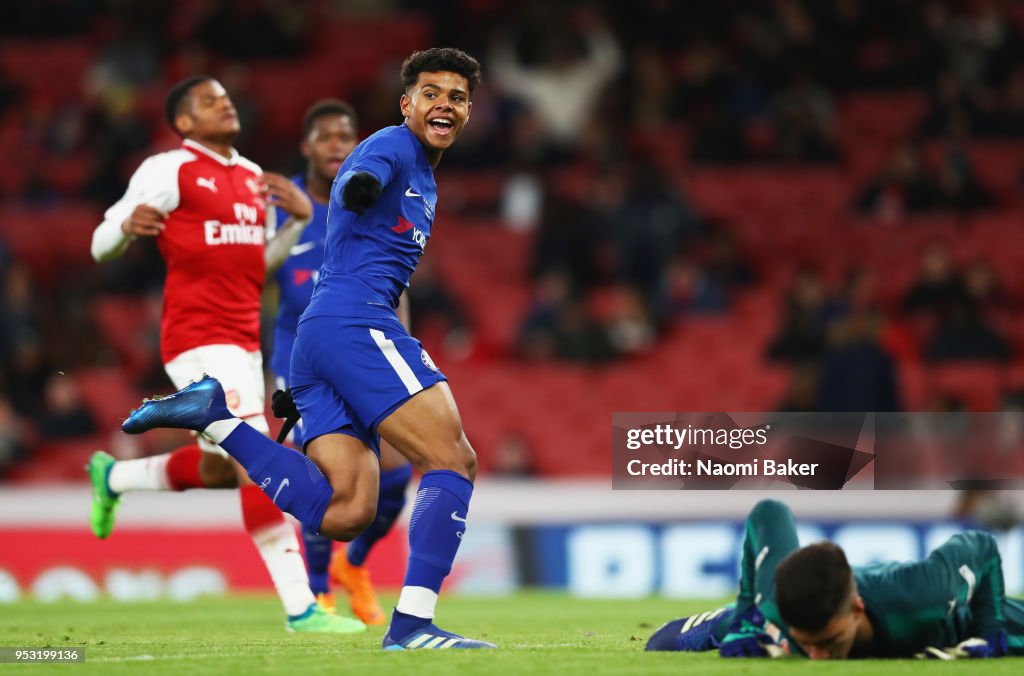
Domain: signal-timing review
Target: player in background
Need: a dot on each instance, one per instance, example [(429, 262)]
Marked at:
[(205, 204), (329, 134), (949, 605), (357, 374)]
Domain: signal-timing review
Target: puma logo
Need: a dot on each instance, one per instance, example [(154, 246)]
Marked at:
[(208, 183)]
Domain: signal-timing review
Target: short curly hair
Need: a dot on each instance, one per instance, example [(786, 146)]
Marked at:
[(326, 107), (441, 59)]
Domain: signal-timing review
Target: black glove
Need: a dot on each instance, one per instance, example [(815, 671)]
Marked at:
[(283, 406), (361, 191)]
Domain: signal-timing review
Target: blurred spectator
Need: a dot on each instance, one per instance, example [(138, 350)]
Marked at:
[(856, 372), (703, 282), (959, 185), (648, 227), (237, 80), (254, 29), (431, 303), (693, 289), (805, 122), (984, 286), (566, 241), (27, 374), (965, 334), (801, 335), (64, 415), (558, 326), (903, 187), (562, 83), (551, 293), (579, 338), (938, 287), (513, 457), (12, 441), (801, 394), (631, 327)]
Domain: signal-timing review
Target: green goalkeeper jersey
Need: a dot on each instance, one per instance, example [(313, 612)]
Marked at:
[(953, 594)]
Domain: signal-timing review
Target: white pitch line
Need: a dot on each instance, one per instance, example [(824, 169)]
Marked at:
[(203, 656)]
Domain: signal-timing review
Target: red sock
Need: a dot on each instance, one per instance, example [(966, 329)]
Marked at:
[(258, 512), (183, 468)]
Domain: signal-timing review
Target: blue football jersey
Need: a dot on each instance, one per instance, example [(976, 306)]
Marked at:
[(368, 259), (295, 280)]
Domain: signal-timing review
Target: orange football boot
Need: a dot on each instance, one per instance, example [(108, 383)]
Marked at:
[(326, 603), (356, 581)]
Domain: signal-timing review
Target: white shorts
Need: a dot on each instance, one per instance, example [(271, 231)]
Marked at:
[(239, 372)]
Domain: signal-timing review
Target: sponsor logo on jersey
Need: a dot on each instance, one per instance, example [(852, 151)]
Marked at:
[(418, 235), (218, 233), (403, 226)]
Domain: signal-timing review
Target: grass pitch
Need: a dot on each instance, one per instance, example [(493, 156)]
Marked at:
[(536, 633)]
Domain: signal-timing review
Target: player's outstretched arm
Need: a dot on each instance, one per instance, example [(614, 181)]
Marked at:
[(965, 570), (288, 197), (981, 554), (361, 192)]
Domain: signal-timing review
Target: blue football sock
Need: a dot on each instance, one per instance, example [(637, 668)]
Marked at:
[(436, 527), (292, 481), (318, 558), (390, 502)]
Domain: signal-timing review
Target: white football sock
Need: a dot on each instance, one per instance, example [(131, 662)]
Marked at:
[(417, 601), (142, 474), (218, 430), (279, 547)]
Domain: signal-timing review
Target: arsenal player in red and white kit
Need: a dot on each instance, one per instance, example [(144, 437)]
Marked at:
[(206, 206)]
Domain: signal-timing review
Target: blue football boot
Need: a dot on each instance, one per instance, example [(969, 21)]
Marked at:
[(191, 408), (431, 637), (689, 634)]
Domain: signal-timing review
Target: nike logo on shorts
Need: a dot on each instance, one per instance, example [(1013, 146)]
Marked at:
[(284, 482)]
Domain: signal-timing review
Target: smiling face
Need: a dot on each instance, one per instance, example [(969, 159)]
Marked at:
[(436, 108), (331, 139)]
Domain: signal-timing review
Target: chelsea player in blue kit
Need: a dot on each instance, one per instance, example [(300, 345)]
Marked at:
[(293, 262), (357, 374)]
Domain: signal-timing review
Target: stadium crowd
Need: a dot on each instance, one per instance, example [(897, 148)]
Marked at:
[(590, 118)]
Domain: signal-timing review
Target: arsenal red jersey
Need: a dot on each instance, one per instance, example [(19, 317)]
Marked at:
[(213, 245)]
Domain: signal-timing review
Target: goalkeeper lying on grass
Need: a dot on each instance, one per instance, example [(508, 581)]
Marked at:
[(808, 600)]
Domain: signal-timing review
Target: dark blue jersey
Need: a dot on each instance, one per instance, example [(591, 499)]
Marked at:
[(368, 259), (295, 280)]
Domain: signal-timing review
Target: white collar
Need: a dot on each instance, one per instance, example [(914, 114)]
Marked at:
[(226, 161)]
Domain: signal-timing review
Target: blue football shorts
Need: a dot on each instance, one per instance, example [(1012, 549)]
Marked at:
[(348, 374)]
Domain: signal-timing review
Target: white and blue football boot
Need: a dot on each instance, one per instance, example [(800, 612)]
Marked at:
[(691, 634), (431, 637)]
